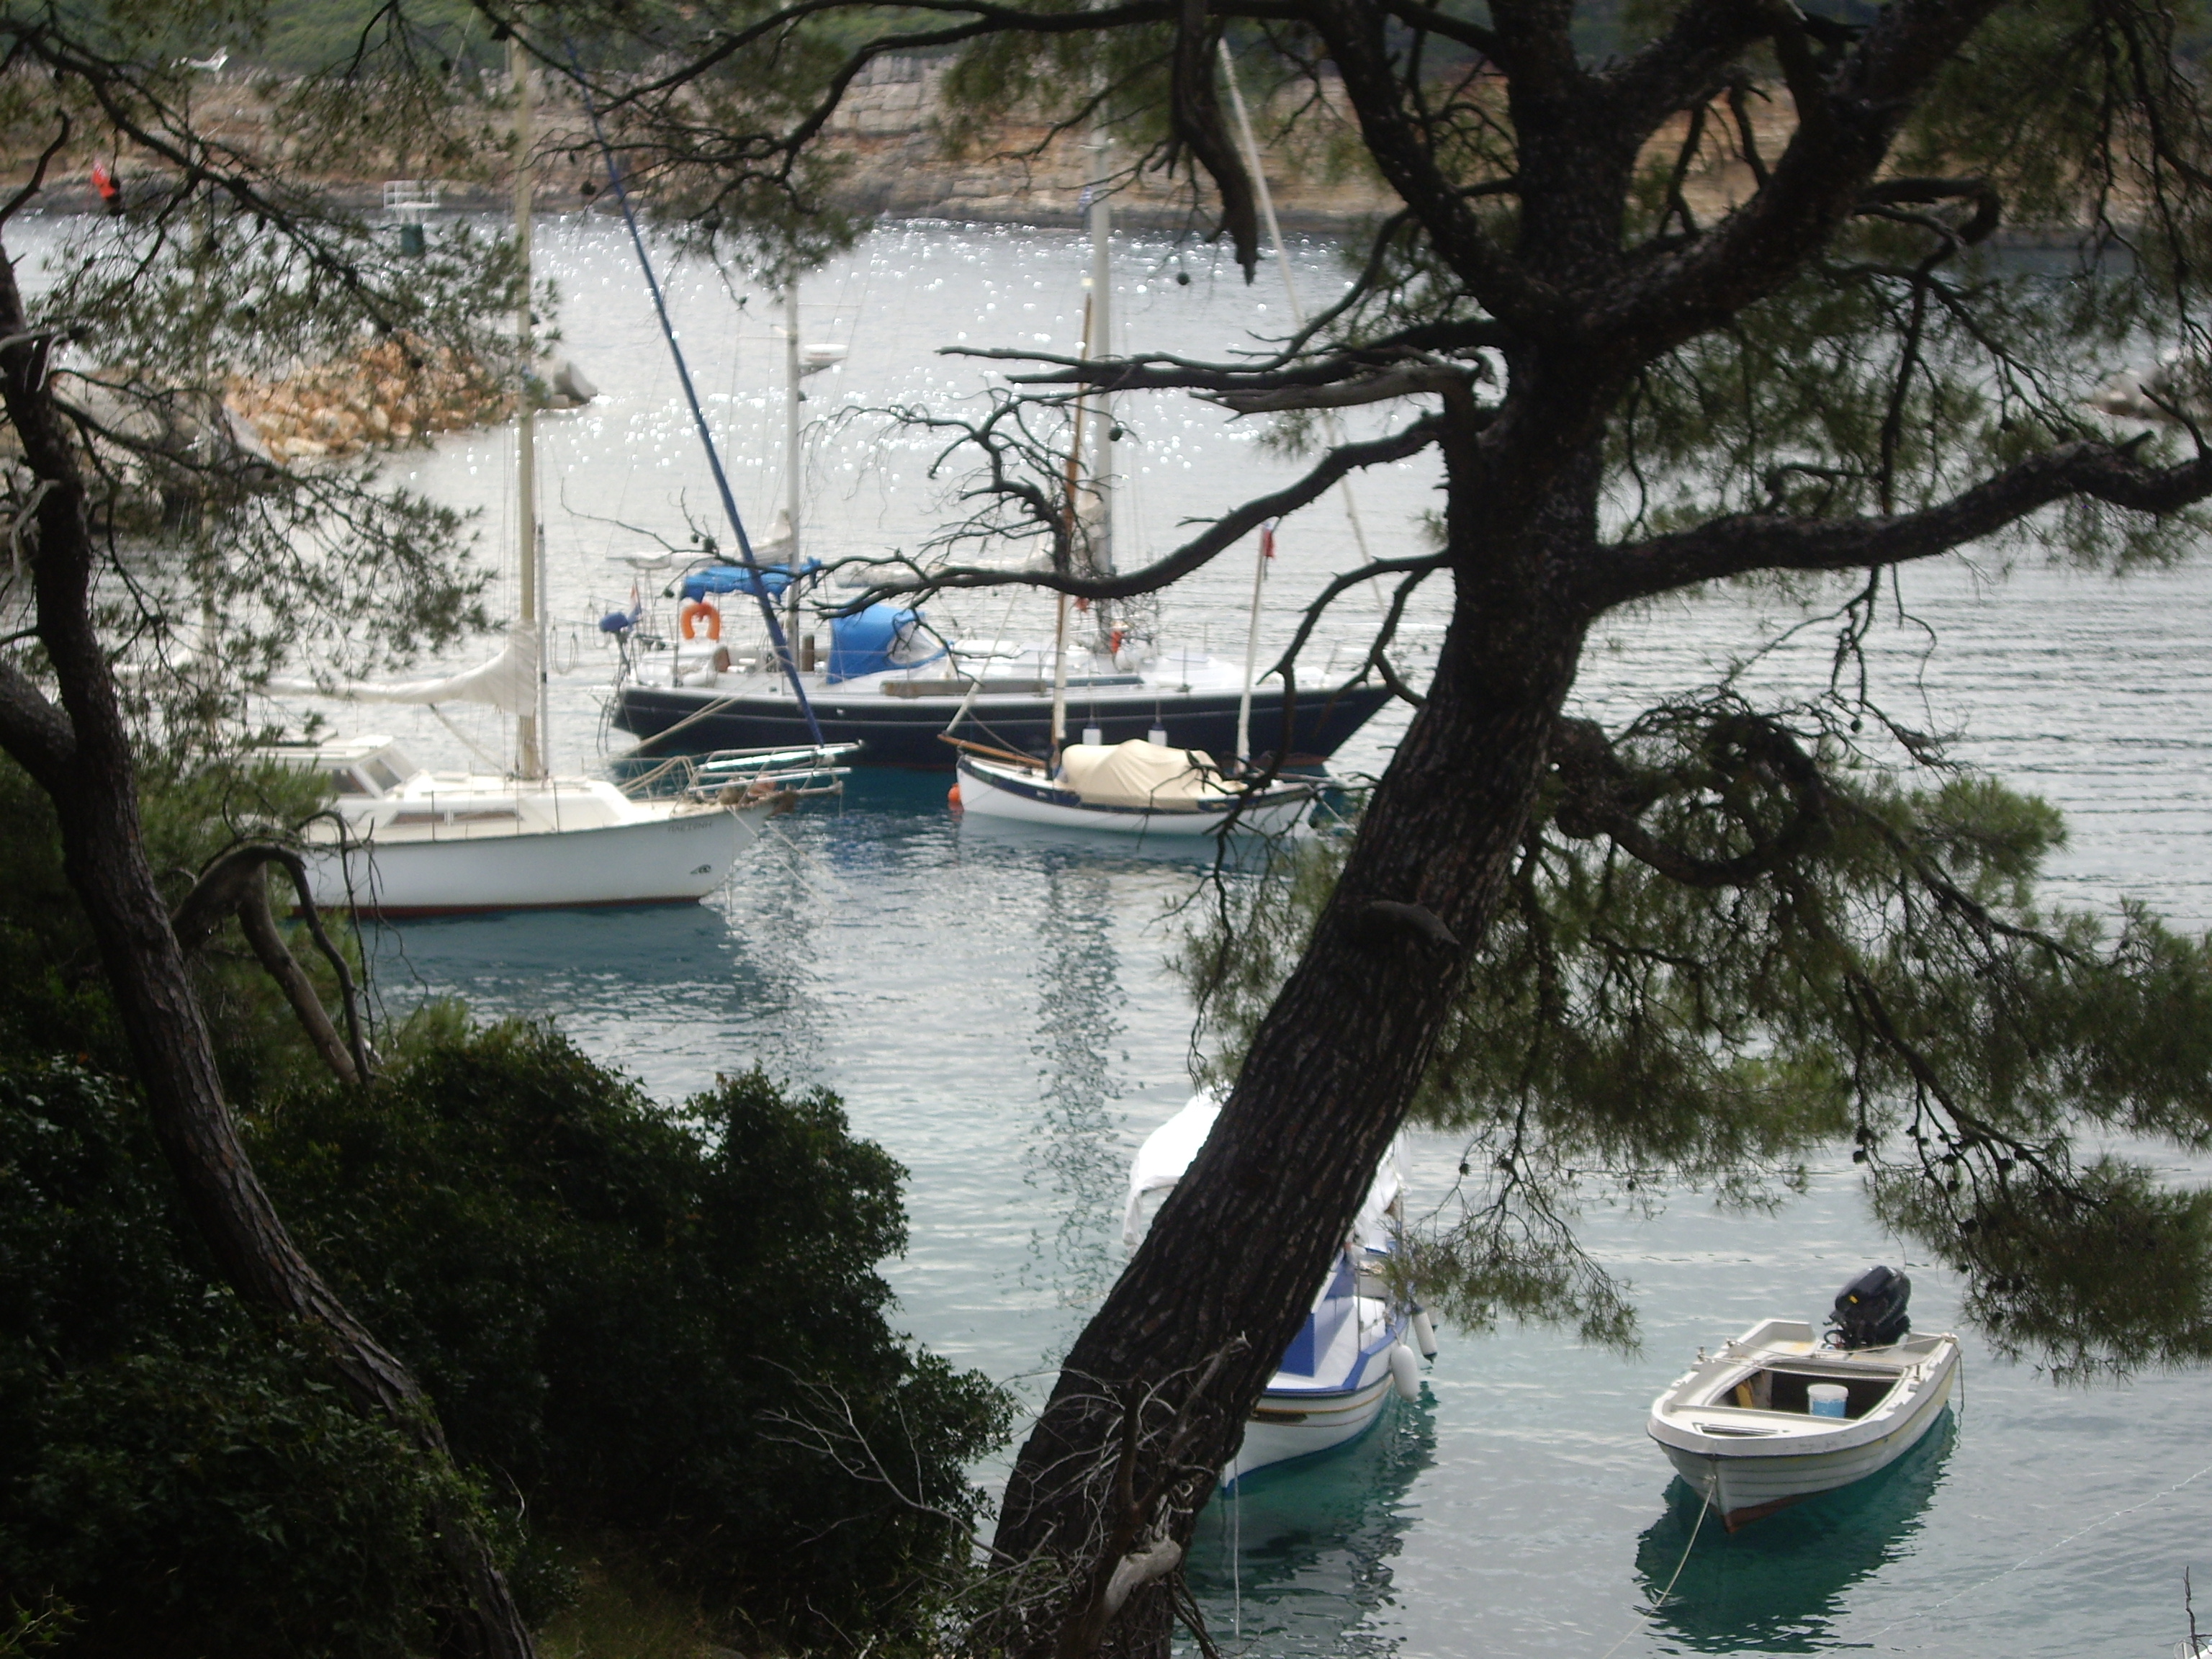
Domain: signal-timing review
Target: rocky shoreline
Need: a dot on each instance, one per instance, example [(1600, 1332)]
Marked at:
[(386, 394)]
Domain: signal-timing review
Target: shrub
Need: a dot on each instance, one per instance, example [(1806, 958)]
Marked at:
[(667, 1327), (670, 1325), (177, 1477)]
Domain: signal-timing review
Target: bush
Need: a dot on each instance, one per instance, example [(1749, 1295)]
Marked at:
[(666, 1329), (182, 1479), (667, 1325)]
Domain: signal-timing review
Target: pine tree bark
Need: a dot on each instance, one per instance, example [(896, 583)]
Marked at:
[(80, 753)]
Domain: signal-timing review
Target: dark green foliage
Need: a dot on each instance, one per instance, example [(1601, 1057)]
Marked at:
[(53, 996), (1734, 941), (665, 1328), (669, 1326), (180, 1480)]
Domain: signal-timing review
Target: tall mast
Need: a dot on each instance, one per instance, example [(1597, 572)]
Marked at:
[(528, 761), (793, 396), (1098, 336), (1252, 646)]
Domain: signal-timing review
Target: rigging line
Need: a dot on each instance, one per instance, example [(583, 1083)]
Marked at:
[(2037, 1555), (776, 637), (1330, 421), (466, 742), (968, 702)]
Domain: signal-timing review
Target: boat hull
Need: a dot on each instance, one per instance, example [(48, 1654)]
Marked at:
[(1745, 1490), (1285, 1428), (1000, 793), (895, 731), (671, 860)]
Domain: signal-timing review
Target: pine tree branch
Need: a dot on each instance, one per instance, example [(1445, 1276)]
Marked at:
[(1847, 117), (33, 729), (1747, 542), (1202, 549)]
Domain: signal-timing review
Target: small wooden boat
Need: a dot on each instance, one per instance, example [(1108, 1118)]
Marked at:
[(1779, 1414), (1351, 1354), (1133, 788)]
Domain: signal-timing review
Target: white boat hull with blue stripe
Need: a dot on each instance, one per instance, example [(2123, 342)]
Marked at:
[(1349, 1355), (1317, 1403)]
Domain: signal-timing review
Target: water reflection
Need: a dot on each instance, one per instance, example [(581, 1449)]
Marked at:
[(513, 957), (1076, 1156), (1303, 1553), (1776, 1586), (1047, 841)]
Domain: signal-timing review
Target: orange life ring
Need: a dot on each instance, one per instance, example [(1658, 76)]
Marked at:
[(695, 609)]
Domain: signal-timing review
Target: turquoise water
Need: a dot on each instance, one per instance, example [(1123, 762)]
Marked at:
[(995, 1009)]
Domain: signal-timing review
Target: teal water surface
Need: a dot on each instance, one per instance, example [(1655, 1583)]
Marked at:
[(996, 1009)]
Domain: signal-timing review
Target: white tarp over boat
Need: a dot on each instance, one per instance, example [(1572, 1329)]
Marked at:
[(1168, 1151), (1137, 774), (1162, 1159), (508, 682)]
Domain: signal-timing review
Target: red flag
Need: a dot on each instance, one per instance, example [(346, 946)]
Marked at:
[(1267, 539), (104, 182)]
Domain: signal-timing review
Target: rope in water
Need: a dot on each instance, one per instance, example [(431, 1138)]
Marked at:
[(698, 415), (2037, 1555), (1659, 1602), (1237, 1563)]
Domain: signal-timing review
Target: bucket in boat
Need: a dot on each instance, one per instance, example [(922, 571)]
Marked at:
[(1828, 1399)]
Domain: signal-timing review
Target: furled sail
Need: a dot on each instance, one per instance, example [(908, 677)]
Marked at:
[(508, 682)]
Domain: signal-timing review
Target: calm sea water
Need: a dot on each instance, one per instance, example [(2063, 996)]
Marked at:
[(995, 1008)]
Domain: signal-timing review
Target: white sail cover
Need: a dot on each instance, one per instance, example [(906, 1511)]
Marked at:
[(1136, 774), (1168, 1151), (508, 682)]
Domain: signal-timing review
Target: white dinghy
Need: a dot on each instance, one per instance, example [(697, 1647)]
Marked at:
[(1351, 1354), (1779, 1414), (1134, 788)]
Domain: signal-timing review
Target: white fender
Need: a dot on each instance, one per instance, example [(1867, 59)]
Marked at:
[(1425, 1334), (1405, 1371)]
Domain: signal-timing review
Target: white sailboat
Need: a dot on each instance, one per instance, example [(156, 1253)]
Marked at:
[(401, 841), (1351, 1353)]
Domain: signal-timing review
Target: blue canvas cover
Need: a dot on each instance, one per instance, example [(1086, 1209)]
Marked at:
[(865, 643), (771, 579)]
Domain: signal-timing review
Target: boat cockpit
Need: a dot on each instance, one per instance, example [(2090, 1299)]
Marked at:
[(1774, 1390)]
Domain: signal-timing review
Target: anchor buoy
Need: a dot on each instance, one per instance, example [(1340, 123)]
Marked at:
[(952, 798), (692, 611)]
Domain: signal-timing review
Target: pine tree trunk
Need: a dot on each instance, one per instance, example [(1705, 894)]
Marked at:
[(81, 755), (1153, 1398)]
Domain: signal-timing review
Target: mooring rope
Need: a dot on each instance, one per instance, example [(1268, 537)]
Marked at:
[(1703, 1503), (2037, 1555)]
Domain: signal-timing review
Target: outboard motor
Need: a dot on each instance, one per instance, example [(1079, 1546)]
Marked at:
[(1870, 1313)]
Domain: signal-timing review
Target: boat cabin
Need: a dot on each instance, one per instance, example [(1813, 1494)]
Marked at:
[(372, 766)]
